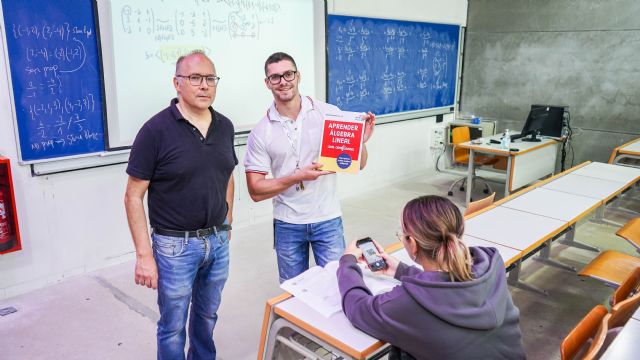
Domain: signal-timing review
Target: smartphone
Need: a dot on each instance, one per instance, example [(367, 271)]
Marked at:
[(369, 251)]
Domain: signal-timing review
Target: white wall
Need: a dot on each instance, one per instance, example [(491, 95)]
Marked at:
[(74, 222)]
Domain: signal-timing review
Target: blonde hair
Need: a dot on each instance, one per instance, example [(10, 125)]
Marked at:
[(437, 226)]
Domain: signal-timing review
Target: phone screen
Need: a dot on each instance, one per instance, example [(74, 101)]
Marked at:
[(369, 251)]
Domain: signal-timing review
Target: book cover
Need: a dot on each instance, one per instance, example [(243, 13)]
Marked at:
[(341, 145)]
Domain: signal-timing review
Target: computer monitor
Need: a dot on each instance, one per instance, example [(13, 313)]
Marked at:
[(544, 120)]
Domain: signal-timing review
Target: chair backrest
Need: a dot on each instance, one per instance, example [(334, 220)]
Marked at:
[(631, 232), (581, 333), (479, 204), (594, 351), (459, 135), (629, 287), (622, 311)]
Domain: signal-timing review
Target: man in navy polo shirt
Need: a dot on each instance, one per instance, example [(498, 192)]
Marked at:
[(184, 157)]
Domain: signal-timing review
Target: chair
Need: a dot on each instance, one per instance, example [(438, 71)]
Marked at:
[(601, 339), (611, 267), (479, 204), (459, 135), (631, 232), (587, 328), (628, 288), (622, 311), (614, 267)]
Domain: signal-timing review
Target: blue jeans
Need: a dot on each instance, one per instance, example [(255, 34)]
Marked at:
[(292, 245), (190, 271)]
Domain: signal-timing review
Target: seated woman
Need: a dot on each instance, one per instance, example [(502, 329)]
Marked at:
[(458, 307)]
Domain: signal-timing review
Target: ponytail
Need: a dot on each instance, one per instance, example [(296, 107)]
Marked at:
[(454, 256)]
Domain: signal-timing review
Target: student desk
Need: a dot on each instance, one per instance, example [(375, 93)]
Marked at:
[(532, 161), (592, 187), (335, 333), (625, 345), (285, 315), (523, 231), (553, 204), (630, 150), (623, 174), (600, 181), (557, 205)]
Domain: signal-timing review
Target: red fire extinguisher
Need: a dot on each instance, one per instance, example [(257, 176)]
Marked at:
[(6, 240)]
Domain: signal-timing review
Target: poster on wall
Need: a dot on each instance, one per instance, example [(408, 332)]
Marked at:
[(341, 144)]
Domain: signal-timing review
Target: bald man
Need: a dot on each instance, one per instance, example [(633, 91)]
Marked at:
[(184, 158)]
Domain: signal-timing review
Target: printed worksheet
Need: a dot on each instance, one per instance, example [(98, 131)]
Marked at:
[(318, 287)]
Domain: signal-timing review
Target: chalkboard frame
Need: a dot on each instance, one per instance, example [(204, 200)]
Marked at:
[(412, 114)]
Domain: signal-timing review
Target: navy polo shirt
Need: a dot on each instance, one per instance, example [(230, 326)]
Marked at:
[(188, 173)]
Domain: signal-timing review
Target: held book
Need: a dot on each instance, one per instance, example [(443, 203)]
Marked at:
[(341, 146), (318, 287)]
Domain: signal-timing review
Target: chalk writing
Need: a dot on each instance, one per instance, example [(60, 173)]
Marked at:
[(55, 78), (401, 65)]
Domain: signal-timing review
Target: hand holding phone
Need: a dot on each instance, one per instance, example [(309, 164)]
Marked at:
[(369, 251)]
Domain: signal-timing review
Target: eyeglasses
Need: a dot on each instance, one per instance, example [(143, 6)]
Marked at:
[(275, 79), (196, 79), (401, 236)]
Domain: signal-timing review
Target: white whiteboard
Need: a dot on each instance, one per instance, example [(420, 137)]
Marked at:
[(141, 40)]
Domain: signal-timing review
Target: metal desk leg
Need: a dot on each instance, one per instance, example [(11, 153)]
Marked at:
[(616, 206), (545, 258), (470, 171), (515, 282), (599, 218), (507, 183), (569, 240)]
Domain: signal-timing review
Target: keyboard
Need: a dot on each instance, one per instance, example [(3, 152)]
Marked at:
[(516, 136)]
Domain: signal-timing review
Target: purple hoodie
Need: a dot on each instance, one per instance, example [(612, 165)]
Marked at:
[(431, 317)]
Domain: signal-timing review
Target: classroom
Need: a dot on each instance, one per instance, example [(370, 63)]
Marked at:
[(445, 81)]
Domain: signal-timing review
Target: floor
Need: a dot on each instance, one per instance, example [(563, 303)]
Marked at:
[(104, 315)]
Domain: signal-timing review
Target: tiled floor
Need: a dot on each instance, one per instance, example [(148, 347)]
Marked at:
[(104, 315)]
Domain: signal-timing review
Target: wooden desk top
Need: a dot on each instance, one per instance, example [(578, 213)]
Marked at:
[(626, 344), (335, 330), (553, 204), (586, 186), (618, 173), (523, 147), (632, 147), (513, 228)]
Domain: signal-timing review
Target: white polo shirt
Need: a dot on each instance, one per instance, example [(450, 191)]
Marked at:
[(276, 144)]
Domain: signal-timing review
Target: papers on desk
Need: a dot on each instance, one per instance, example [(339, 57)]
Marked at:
[(318, 287)]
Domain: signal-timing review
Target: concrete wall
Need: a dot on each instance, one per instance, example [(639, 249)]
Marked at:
[(578, 53), (75, 222)]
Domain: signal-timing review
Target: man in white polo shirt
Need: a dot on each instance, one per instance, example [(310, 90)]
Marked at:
[(286, 142)]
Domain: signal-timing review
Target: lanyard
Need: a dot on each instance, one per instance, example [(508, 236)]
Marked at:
[(294, 140)]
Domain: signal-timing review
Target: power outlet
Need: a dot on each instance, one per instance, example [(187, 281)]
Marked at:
[(437, 138)]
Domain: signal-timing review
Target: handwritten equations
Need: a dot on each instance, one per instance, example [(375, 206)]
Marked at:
[(387, 66), (148, 36), (162, 23), (55, 76)]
